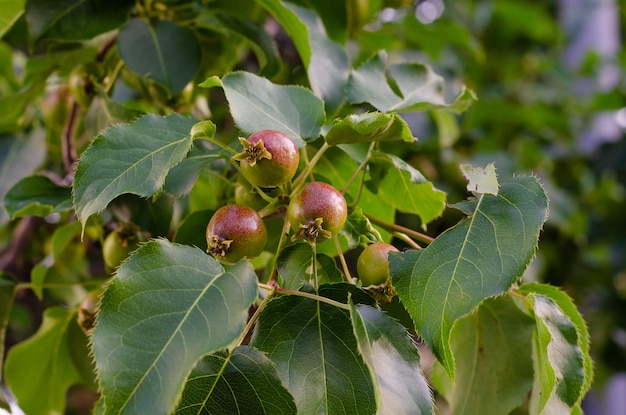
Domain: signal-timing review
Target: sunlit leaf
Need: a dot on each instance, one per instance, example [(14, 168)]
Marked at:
[(241, 382), (481, 180), (492, 348), (257, 104), (11, 11), (37, 196), (359, 230), (40, 384), (405, 188), (393, 361), (368, 127), (480, 257), (165, 299), (564, 370), (312, 345), (418, 87), (163, 51), (129, 158)]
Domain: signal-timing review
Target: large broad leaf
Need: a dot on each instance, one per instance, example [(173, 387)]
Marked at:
[(130, 158), (405, 188), (394, 363), (175, 304), (492, 348), (11, 11), (75, 19), (257, 104), (312, 345), (417, 87), (37, 196), (40, 384), (7, 292), (328, 69), (480, 257), (242, 382), (563, 366), (19, 157), (368, 127), (163, 51)]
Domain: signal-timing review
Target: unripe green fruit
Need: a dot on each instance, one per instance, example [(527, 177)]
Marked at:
[(235, 232), (118, 245), (372, 266), (80, 86), (269, 158), (317, 212)]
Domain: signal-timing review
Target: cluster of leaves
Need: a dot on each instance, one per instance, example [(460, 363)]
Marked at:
[(290, 331)]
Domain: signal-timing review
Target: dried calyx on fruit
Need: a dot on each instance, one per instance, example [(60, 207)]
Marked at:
[(235, 232), (269, 158), (317, 212)]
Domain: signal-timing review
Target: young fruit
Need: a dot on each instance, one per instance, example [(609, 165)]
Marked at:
[(247, 195), (119, 244), (317, 212), (372, 266), (269, 158), (235, 232)]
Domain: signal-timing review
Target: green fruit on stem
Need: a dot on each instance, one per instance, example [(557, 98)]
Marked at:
[(269, 158), (80, 86), (118, 245), (372, 266), (317, 212), (235, 232)]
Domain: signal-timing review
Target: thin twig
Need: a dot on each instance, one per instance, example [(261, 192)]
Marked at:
[(397, 228)]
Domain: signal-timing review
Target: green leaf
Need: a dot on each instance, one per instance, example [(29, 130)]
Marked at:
[(37, 196), (359, 230), (40, 384), (19, 157), (368, 127), (329, 69), (165, 299), (295, 266), (12, 106), (480, 257), (291, 23), (480, 180), (130, 158), (334, 14), (564, 370), (11, 11), (257, 104), (492, 348), (263, 44), (74, 19), (192, 230), (241, 382), (163, 51), (402, 186), (7, 293), (182, 177), (312, 345), (393, 361), (418, 87)]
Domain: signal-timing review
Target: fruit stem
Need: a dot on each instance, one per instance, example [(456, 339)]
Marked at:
[(397, 228), (404, 237), (253, 319), (342, 259), (278, 290), (219, 144), (299, 181), (314, 262)]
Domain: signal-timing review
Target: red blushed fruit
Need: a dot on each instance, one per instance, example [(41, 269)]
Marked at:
[(317, 212), (372, 266), (269, 158), (235, 232)]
